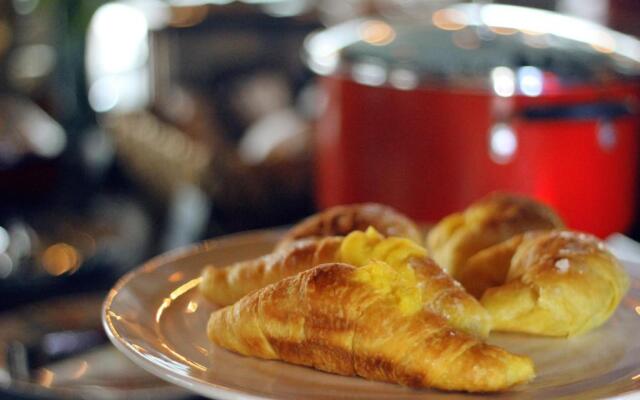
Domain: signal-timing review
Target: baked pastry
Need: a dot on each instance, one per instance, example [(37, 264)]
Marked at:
[(489, 221), (226, 285), (341, 220), (554, 283), (441, 293), (365, 321)]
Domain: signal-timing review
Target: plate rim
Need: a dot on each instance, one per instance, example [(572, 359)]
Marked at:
[(207, 388), (200, 386)]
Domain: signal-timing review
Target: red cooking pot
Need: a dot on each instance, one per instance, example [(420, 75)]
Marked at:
[(428, 117)]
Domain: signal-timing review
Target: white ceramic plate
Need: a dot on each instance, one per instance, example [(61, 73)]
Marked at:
[(157, 318)]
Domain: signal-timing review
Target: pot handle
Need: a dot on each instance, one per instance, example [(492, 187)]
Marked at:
[(588, 111)]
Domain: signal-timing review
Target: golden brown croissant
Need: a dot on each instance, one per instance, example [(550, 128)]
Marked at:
[(489, 221), (363, 321), (441, 293), (341, 220), (226, 285), (555, 283)]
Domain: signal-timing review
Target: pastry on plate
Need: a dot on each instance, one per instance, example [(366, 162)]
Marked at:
[(226, 285), (440, 293), (341, 220), (555, 283), (366, 321), (489, 221)]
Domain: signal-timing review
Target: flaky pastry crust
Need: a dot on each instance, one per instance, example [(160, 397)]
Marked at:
[(326, 319), (440, 293), (489, 221), (341, 220), (554, 283)]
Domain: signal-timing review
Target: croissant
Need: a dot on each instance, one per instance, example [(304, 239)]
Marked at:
[(489, 221), (226, 285), (440, 292), (363, 321), (341, 220), (554, 283)]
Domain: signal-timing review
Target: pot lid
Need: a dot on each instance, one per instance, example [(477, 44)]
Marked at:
[(509, 49)]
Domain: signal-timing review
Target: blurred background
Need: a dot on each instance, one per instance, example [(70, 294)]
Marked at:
[(129, 128)]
